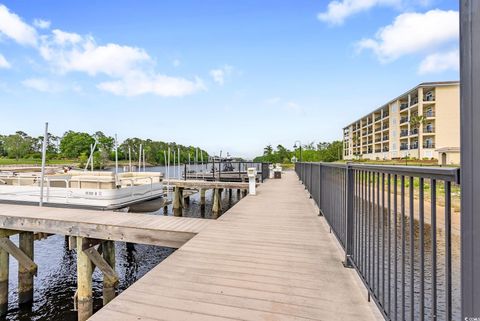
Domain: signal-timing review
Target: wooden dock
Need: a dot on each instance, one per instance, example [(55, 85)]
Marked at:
[(270, 257)]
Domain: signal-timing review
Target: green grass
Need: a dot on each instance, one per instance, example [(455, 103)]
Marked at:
[(32, 161)]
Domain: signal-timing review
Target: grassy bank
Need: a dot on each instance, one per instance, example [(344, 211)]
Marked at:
[(35, 162)]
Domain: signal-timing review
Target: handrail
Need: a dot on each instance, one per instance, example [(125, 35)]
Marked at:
[(379, 213)]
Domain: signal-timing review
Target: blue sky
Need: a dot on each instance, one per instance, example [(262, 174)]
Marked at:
[(230, 75)]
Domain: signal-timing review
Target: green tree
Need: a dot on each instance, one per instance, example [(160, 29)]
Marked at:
[(73, 144), (17, 145)]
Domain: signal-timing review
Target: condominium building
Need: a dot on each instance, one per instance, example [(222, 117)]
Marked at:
[(423, 123)]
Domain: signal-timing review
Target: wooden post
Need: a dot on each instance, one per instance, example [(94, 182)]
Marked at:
[(217, 204), (177, 202), (4, 264), (202, 197), (25, 276), (182, 199), (165, 210), (229, 193), (108, 248), (238, 193), (84, 283)]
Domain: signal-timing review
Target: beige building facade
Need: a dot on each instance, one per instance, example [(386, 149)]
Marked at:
[(423, 123)]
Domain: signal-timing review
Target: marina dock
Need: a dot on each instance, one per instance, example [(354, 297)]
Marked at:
[(270, 257)]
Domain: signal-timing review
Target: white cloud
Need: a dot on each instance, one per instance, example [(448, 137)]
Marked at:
[(42, 84), (440, 62), (4, 63), (220, 74), (73, 52), (412, 33), (338, 11), (41, 24), (130, 69), (13, 27), (138, 83)]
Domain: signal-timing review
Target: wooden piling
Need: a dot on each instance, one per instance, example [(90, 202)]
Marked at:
[(4, 264), (177, 201), (202, 197), (108, 248), (229, 193), (165, 210), (217, 204), (25, 276), (84, 283)]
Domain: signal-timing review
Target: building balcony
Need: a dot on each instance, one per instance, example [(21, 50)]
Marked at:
[(414, 146), (414, 101), (429, 113), (385, 126), (414, 131), (428, 145), (386, 149), (403, 106), (378, 150), (403, 120), (429, 97), (403, 133), (378, 139), (403, 147), (386, 115), (429, 130), (385, 138)]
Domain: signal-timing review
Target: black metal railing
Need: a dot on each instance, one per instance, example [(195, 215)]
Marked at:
[(224, 171), (395, 226)]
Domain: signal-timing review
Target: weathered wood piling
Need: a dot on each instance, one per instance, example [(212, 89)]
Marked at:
[(84, 283), (25, 276)]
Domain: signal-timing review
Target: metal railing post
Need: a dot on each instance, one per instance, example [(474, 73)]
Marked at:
[(320, 190), (349, 217), (470, 176)]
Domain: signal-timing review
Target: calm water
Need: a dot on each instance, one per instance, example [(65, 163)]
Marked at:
[(55, 284)]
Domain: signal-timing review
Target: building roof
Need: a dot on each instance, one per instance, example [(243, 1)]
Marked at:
[(423, 84)]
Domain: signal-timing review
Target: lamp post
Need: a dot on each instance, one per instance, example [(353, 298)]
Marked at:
[(300, 147)]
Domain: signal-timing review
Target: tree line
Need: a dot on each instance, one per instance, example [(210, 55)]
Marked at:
[(76, 146), (320, 152)]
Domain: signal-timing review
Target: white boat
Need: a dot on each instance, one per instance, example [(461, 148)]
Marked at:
[(90, 189)]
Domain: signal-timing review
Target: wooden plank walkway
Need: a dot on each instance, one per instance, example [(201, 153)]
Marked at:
[(165, 231), (270, 257)]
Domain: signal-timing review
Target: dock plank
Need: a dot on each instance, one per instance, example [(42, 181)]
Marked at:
[(270, 257), (158, 230)]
